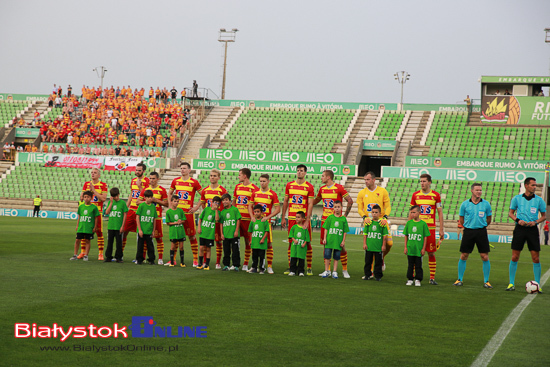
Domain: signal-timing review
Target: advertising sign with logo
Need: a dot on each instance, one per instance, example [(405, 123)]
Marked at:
[(379, 144), (268, 156), (475, 163), (273, 167), (61, 160)]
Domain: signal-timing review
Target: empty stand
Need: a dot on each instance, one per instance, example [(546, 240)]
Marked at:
[(286, 129), (389, 125), (9, 110)]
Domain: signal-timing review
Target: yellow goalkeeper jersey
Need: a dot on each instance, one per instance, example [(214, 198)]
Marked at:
[(366, 199)]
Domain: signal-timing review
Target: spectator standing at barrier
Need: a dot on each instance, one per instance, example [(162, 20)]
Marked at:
[(174, 94), (195, 89), (37, 203)]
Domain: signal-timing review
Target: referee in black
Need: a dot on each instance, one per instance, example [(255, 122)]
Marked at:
[(475, 215)]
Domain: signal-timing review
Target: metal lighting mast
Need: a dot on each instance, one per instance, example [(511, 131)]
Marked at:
[(226, 36), (402, 79), (100, 71)]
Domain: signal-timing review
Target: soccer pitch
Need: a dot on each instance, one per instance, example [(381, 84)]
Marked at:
[(262, 320)]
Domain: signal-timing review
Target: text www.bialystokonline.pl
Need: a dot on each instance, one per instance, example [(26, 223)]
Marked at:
[(111, 348)]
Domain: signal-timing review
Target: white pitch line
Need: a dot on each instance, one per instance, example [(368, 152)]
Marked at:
[(486, 355)]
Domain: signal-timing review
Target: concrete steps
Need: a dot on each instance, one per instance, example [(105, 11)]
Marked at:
[(363, 127)]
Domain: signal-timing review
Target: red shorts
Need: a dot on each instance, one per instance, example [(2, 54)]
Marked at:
[(243, 230), (291, 223), (130, 225), (158, 228), (431, 246), (218, 232), (190, 228), (99, 225)]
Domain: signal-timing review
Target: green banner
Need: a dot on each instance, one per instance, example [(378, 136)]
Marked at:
[(76, 160), (23, 97), (476, 163), (461, 174), (512, 110), (300, 104), (273, 167), (268, 156), (379, 144), (440, 107), (516, 79), (26, 133)]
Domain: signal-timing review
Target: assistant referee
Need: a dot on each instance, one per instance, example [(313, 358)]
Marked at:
[(37, 202), (524, 210), (475, 215)]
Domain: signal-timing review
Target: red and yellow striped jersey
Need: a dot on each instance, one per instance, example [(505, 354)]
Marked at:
[(329, 195), (267, 200), (136, 191), (160, 193), (298, 197), (242, 194), (209, 193), (100, 187), (367, 198), (428, 204), (185, 190)]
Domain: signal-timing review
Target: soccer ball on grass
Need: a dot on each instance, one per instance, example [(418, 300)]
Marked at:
[(532, 287)]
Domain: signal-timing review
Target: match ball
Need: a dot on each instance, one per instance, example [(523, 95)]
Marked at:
[(532, 287)]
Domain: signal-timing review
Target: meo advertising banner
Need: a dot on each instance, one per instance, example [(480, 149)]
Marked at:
[(267, 156), (274, 167), (476, 163), (462, 174), (379, 144), (61, 160)]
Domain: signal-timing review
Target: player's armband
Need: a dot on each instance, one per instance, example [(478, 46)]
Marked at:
[(439, 205)]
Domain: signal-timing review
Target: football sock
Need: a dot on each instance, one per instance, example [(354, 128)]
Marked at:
[(207, 261), (486, 270), (160, 248), (195, 248), (219, 250), (432, 265), (123, 243), (309, 256), (269, 255), (289, 245), (512, 270), (536, 272), (144, 250), (181, 256), (100, 244), (83, 246), (172, 257), (200, 260), (247, 252), (462, 269)]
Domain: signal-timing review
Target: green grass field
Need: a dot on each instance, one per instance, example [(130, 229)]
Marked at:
[(263, 320)]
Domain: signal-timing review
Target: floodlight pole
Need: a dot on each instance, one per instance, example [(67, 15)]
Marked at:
[(100, 71), (226, 36), (547, 37), (401, 79)]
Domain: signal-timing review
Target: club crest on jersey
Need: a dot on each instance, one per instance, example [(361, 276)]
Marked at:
[(299, 235), (85, 212), (255, 226), (148, 212), (336, 224), (228, 216), (114, 207), (297, 199), (414, 229), (176, 217), (374, 227), (209, 217)]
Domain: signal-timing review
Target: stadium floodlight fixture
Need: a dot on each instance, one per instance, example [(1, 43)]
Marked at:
[(100, 71), (402, 77), (225, 37)]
